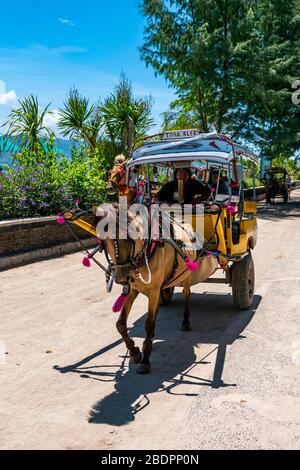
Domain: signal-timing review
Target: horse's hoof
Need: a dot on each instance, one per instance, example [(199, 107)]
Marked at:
[(137, 357), (185, 327), (144, 368)]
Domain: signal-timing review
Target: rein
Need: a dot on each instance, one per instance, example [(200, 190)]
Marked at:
[(136, 260)]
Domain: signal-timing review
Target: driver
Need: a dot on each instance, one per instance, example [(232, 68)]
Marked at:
[(193, 190)]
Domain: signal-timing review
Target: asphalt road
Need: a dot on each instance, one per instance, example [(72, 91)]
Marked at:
[(230, 383)]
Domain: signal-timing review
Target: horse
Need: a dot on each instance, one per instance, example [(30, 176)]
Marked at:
[(147, 266), (116, 184)]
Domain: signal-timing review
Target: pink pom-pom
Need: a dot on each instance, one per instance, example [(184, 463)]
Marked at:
[(60, 218), (212, 190), (117, 306), (231, 209), (209, 252), (86, 262), (191, 265)]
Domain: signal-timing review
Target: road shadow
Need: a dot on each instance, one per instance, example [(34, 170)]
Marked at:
[(214, 322), (278, 210)]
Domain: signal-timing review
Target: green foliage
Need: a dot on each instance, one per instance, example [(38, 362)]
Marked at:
[(279, 119), (289, 164), (79, 120), (231, 63), (32, 188), (26, 124), (127, 119)]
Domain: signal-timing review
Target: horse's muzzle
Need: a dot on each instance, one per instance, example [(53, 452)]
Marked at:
[(111, 190)]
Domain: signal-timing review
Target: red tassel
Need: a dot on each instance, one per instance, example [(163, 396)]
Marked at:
[(191, 265), (117, 306), (86, 262), (60, 218), (231, 210)]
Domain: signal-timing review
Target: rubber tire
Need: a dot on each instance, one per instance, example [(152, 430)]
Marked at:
[(285, 196), (243, 282), (166, 296)]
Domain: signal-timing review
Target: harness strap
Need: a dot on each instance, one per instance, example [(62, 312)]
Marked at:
[(86, 250)]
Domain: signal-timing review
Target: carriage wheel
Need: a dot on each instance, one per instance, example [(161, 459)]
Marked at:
[(166, 296), (285, 196), (242, 281)]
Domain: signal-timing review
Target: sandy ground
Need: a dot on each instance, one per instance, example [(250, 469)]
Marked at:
[(230, 383)]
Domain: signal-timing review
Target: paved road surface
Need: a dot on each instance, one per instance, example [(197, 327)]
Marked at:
[(230, 383)]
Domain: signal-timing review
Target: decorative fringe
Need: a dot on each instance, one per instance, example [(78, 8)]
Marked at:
[(60, 218), (191, 265), (117, 306), (230, 208), (86, 260), (213, 253)]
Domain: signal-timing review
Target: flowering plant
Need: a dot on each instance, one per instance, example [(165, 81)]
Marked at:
[(29, 189)]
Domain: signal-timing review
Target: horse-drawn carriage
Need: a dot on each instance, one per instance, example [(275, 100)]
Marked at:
[(215, 233), (276, 181)]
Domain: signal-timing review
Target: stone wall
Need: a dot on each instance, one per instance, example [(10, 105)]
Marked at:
[(27, 240)]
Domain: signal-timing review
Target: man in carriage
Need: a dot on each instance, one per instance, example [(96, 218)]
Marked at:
[(183, 188)]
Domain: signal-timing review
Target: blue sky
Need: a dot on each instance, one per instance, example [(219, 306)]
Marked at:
[(47, 47)]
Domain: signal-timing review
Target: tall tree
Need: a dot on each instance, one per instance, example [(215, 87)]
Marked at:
[(279, 120), (79, 120), (127, 119), (205, 50), (26, 124), (222, 57)]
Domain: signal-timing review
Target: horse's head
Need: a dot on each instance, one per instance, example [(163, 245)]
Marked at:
[(120, 247), (116, 180)]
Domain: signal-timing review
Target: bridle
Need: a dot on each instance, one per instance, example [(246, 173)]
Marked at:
[(117, 178), (136, 260)]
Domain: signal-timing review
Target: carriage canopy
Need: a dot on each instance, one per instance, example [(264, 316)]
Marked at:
[(178, 147)]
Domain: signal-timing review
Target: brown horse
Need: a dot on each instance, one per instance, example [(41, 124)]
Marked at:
[(116, 184), (147, 267)]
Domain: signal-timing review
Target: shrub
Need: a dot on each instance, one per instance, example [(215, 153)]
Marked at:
[(29, 189)]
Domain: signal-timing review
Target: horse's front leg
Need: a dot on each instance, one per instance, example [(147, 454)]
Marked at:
[(153, 306), (186, 314), (121, 325)]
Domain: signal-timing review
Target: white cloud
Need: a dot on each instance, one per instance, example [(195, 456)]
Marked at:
[(7, 98), (51, 120), (65, 21)]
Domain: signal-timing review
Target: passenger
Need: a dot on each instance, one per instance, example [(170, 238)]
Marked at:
[(193, 190), (222, 187)]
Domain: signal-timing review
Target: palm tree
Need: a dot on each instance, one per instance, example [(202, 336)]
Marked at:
[(127, 119), (26, 124), (79, 120)]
